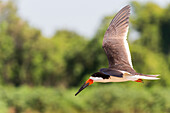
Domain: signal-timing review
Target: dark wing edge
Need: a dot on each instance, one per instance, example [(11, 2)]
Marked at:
[(114, 43), (111, 72)]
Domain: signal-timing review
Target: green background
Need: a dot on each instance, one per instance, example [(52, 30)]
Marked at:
[(41, 74)]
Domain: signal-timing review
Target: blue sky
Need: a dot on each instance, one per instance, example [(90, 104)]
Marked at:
[(82, 16)]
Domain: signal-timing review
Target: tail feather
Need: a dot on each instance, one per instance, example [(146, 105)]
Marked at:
[(151, 75), (146, 77)]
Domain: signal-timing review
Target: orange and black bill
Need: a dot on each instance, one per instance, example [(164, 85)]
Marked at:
[(82, 87), (87, 83)]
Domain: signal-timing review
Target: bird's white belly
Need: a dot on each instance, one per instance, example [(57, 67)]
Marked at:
[(112, 79)]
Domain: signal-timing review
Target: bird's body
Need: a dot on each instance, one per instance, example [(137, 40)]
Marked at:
[(120, 76), (117, 50)]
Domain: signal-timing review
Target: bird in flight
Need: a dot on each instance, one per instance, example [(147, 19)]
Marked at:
[(117, 50)]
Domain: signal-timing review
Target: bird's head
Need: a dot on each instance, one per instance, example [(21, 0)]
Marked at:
[(96, 77), (87, 83)]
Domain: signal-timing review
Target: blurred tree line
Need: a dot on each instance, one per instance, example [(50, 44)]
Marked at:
[(65, 59)]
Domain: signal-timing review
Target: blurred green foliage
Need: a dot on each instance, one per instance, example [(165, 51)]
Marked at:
[(108, 98), (41, 74)]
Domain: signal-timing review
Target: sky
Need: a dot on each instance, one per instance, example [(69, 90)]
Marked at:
[(81, 16)]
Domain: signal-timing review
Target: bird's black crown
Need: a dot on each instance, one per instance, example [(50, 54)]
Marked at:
[(101, 75)]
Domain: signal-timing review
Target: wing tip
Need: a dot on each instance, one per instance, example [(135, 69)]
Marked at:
[(127, 7)]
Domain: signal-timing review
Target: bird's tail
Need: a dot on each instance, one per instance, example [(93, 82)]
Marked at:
[(141, 77), (147, 77)]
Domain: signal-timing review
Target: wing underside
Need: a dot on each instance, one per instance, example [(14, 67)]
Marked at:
[(115, 44)]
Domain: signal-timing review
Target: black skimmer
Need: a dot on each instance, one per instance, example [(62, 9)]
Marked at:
[(117, 50)]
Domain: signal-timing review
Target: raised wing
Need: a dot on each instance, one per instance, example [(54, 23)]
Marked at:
[(115, 41)]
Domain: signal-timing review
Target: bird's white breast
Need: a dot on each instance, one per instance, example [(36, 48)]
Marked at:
[(111, 79)]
